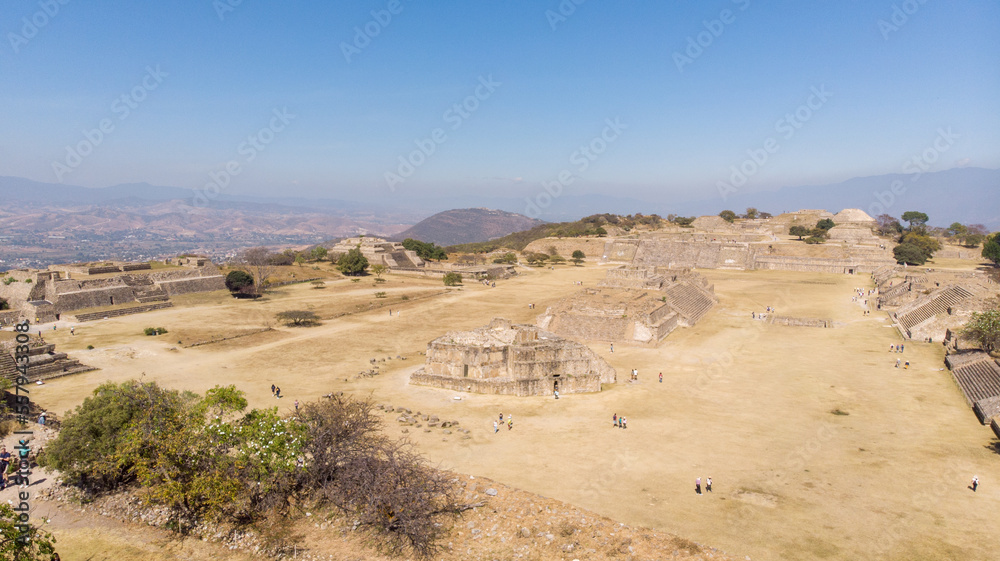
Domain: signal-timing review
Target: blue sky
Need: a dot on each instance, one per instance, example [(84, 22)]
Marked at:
[(200, 77)]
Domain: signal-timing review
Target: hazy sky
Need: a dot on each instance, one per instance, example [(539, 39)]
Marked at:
[(327, 98)]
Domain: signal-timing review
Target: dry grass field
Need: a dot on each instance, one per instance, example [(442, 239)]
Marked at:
[(818, 446)]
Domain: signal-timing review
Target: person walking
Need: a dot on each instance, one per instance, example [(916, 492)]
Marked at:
[(614, 420), (975, 483), (612, 347), (697, 485), (661, 377), (496, 427), (272, 389), (708, 484), (624, 423), (296, 406), (897, 362), (277, 392)]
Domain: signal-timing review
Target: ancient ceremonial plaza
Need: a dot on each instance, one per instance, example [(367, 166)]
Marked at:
[(821, 386)]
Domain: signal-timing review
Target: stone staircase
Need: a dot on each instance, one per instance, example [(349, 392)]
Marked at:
[(93, 316), (978, 376), (43, 363), (931, 305), (690, 302), (883, 274)]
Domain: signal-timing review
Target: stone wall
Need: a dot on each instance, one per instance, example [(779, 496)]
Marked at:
[(93, 316), (194, 284), (799, 322)]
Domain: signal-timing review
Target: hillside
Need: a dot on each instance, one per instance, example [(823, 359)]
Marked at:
[(596, 225), (467, 225)]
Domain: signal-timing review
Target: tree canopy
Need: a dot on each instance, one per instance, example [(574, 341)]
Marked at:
[(298, 318), (352, 263), (984, 327), (991, 248), (452, 279), (915, 219), (424, 250), (727, 215), (578, 257)]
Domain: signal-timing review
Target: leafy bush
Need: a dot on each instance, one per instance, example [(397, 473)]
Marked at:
[(380, 294), (239, 281), (90, 347), (910, 254), (9, 280), (452, 279), (814, 240)]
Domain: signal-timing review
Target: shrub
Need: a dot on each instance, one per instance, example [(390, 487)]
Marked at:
[(298, 318), (380, 294), (452, 279), (239, 281), (814, 240), (90, 347)]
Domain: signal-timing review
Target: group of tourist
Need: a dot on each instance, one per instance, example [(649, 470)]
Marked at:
[(708, 485), (276, 391), (762, 315), (487, 282), (497, 425), (619, 422)]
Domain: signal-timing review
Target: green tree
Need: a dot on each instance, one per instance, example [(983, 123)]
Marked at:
[(984, 327), (352, 263), (534, 258), (379, 269), (991, 248), (957, 230), (915, 219), (227, 399), (799, 231), (300, 259), (727, 215), (752, 213), (927, 244), (578, 257), (4, 305), (318, 253), (452, 279), (424, 250), (508, 258), (910, 254), (239, 281), (21, 541), (825, 224), (973, 240)]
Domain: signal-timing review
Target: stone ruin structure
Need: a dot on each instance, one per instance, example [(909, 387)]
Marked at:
[(926, 304), (713, 243), (637, 306), (379, 252), (512, 359), (43, 362), (45, 296), (978, 376)]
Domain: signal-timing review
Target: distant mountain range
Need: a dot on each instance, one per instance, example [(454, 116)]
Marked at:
[(967, 195), (467, 225)]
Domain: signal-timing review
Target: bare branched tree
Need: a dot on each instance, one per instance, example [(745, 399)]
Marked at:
[(257, 261)]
